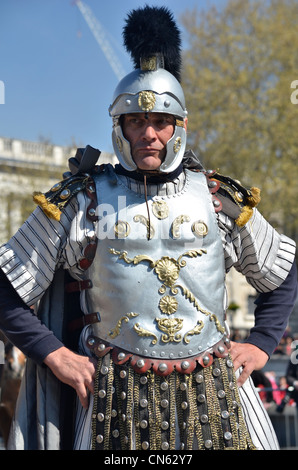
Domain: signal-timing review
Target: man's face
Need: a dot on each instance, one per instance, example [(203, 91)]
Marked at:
[(148, 135)]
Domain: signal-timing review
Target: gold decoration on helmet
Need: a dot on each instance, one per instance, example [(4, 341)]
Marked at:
[(146, 101), (148, 63), (177, 145)]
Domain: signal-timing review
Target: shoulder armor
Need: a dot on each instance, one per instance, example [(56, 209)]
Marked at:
[(234, 199), (53, 201)]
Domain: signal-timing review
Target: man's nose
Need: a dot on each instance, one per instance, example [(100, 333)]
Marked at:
[(149, 131)]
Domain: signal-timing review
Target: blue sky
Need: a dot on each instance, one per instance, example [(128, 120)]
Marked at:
[(58, 83)]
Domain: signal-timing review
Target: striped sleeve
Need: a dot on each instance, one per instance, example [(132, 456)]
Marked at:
[(42, 245), (257, 250)]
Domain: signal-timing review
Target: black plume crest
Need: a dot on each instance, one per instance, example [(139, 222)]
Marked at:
[(152, 30)]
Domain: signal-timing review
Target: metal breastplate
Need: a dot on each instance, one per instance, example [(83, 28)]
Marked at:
[(158, 287)]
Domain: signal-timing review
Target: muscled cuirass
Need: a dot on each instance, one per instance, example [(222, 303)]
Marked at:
[(158, 274)]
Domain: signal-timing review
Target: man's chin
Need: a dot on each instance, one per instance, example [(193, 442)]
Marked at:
[(148, 163)]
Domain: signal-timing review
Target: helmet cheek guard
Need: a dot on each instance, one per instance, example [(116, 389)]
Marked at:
[(122, 149), (175, 150)]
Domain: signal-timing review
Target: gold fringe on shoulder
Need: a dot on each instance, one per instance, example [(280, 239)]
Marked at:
[(247, 211), (49, 209), (255, 197)]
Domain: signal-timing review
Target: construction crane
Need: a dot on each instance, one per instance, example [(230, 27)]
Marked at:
[(100, 36)]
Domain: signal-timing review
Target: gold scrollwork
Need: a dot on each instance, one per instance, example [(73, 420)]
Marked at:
[(170, 327), (146, 101), (181, 219), (116, 331), (143, 332), (145, 221), (195, 331), (168, 270), (189, 296)]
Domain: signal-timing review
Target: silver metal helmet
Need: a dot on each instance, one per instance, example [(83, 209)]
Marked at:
[(149, 89)]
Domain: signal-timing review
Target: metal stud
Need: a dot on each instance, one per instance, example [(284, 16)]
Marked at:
[(201, 398), (227, 436), (164, 425), (221, 393), (165, 446), (140, 363), (208, 444), (115, 433), (123, 374), (56, 187), (91, 212), (123, 395), (143, 379), (145, 445), (199, 378), (225, 414), (164, 403), (183, 386), (204, 419), (104, 370), (184, 405), (100, 417), (143, 402), (185, 365), (206, 360), (91, 341), (144, 424), (121, 356), (164, 386), (102, 393), (99, 438), (65, 194), (221, 349), (216, 372), (162, 367)]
